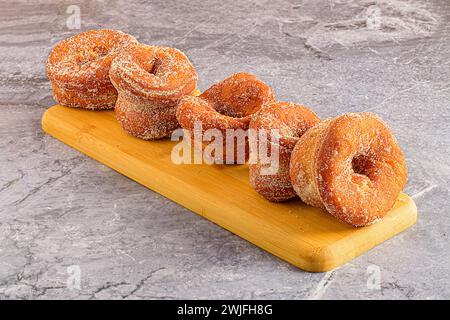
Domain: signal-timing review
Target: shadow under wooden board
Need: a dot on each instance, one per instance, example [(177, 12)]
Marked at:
[(306, 237)]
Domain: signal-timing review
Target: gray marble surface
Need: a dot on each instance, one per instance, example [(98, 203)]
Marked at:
[(65, 217)]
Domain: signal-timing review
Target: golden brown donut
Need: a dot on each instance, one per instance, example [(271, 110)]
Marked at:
[(150, 81), (78, 68), (228, 104), (291, 121), (351, 166)]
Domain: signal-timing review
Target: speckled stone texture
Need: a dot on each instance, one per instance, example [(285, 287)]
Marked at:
[(60, 209)]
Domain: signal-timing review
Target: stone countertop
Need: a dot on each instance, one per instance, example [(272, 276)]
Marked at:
[(65, 217)]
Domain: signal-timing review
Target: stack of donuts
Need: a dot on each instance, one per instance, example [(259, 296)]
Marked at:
[(350, 165)]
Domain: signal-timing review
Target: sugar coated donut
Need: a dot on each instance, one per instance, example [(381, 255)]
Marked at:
[(351, 166), (291, 121), (150, 81), (78, 68), (228, 104)]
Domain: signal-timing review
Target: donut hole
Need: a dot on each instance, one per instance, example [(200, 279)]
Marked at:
[(362, 165), (230, 111), (151, 65), (100, 52), (238, 96), (239, 103), (154, 68), (95, 53)]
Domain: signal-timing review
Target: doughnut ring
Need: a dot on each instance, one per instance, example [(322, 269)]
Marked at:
[(292, 121), (150, 81), (78, 68), (351, 166), (227, 105)]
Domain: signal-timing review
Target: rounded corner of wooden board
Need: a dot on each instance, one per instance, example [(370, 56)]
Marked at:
[(407, 209), (361, 240), (45, 122)]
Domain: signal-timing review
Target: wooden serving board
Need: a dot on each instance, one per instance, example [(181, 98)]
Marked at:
[(306, 237)]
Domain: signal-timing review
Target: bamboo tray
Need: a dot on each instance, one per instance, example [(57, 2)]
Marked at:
[(304, 236)]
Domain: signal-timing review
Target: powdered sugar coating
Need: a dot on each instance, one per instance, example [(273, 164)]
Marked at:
[(78, 68), (145, 123), (302, 164), (151, 80), (350, 165), (93, 99), (239, 96), (292, 121), (157, 76), (228, 104)]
